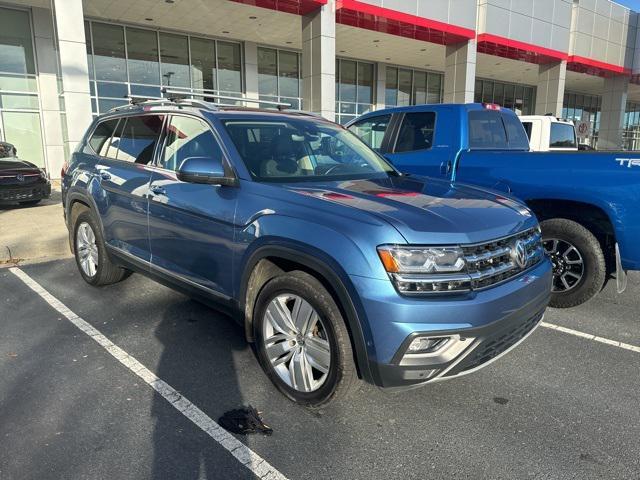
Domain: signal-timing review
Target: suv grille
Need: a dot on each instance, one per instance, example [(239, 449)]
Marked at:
[(493, 262), (496, 345)]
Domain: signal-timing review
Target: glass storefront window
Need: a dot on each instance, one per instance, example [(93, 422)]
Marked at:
[(109, 52), (22, 129), (579, 106), (203, 63), (279, 76), (519, 98), (412, 87), (354, 89), (174, 58), (229, 67), (631, 127), (153, 59), (16, 48), (142, 53)]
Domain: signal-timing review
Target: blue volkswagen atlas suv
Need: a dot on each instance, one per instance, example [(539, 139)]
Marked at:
[(337, 266)]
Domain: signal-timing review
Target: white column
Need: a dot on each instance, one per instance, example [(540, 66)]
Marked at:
[(381, 85), (460, 72), (48, 89), (69, 25), (550, 88), (614, 104), (319, 60), (251, 71)]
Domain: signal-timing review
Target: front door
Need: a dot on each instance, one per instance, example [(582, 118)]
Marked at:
[(414, 150), (191, 226)]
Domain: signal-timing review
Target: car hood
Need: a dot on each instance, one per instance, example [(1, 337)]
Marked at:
[(13, 164), (427, 210)]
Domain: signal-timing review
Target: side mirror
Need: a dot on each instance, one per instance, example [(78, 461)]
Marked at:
[(207, 170)]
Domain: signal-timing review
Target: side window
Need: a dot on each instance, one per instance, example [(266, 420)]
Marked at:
[(528, 126), (516, 135), (136, 139), (563, 135), (486, 130), (371, 130), (101, 137), (188, 137), (416, 132)]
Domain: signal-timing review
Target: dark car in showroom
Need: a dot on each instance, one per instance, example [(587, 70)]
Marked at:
[(21, 182)]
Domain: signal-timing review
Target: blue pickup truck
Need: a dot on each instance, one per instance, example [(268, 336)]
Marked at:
[(587, 202)]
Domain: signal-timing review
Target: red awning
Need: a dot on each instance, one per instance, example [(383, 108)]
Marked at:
[(384, 20), (595, 67), (515, 50), (297, 7)]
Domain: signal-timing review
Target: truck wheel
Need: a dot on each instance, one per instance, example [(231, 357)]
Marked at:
[(579, 267), (301, 339), (91, 255)]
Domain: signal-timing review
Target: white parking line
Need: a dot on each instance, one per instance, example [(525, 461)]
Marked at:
[(589, 336), (247, 457)]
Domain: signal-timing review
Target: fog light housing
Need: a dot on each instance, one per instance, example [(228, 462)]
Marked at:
[(421, 345)]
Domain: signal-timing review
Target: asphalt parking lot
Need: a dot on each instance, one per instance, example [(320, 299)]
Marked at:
[(559, 406)]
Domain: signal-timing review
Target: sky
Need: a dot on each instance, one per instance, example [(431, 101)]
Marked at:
[(632, 4)]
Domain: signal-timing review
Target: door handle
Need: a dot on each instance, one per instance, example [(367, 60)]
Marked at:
[(157, 190), (105, 175)]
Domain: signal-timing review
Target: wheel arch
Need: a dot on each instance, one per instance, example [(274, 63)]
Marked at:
[(591, 216), (76, 202), (268, 261)]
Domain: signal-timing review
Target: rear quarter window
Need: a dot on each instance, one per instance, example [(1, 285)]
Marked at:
[(492, 130)]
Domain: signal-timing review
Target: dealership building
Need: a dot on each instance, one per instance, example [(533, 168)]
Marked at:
[(64, 61)]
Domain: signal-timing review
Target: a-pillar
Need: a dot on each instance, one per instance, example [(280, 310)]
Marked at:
[(319, 60), (69, 28), (460, 72), (550, 88), (614, 104)]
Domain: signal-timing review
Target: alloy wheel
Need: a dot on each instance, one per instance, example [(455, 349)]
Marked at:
[(568, 264), (87, 249), (296, 342)]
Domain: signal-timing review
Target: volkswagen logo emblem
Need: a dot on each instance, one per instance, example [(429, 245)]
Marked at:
[(20, 177), (519, 254)]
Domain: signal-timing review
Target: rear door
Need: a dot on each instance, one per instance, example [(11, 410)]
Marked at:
[(123, 173), (191, 226), (414, 148), (496, 143)]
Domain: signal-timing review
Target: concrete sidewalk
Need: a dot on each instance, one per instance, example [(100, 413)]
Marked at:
[(37, 233)]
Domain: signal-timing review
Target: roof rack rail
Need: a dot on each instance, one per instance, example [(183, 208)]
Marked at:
[(206, 92)]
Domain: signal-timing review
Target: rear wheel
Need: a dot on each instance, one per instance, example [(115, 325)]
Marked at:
[(579, 267), (302, 342), (91, 255)]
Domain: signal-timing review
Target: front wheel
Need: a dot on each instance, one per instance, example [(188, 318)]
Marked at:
[(301, 339), (579, 267)]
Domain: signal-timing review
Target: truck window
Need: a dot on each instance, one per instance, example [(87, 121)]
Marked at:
[(563, 135), (416, 132), (491, 130), (371, 130), (486, 130), (527, 128), (516, 136)]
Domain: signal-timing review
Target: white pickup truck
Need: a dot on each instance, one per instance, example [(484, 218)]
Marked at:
[(547, 133)]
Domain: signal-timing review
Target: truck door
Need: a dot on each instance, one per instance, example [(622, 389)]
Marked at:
[(414, 149)]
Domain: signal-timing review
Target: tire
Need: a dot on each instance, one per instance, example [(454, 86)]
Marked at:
[(315, 387), (30, 203), (586, 249), (104, 271)]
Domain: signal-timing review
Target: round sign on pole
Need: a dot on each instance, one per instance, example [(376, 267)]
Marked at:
[(583, 128)]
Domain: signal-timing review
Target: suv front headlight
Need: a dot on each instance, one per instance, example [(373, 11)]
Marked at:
[(419, 270)]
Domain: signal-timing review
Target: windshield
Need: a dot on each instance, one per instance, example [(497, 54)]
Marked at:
[(292, 150)]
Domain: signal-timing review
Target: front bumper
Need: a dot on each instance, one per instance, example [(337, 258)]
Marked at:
[(483, 326), (24, 193)]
